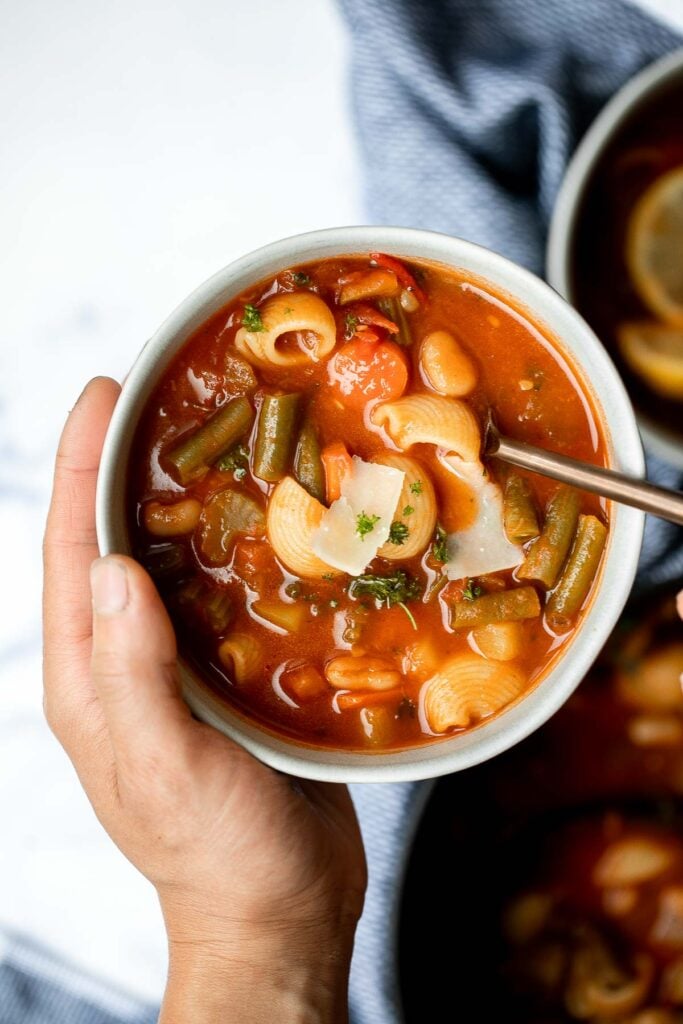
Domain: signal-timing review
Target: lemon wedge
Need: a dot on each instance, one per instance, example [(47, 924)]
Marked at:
[(654, 247), (655, 352)]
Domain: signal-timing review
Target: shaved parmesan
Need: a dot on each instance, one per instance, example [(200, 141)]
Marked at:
[(484, 546), (370, 490)]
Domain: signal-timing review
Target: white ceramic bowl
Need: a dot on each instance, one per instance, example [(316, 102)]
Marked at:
[(623, 444), (638, 91)]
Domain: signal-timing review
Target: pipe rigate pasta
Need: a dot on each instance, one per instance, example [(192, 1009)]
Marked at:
[(287, 313), (293, 516), (467, 689), (416, 509), (431, 419)]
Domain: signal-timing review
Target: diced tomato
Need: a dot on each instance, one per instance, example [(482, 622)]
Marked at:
[(364, 313), (338, 465), (402, 273), (303, 683), (363, 370), (252, 557)]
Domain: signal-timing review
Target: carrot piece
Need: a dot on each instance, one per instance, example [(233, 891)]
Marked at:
[(338, 465), (364, 370), (348, 700), (401, 271)]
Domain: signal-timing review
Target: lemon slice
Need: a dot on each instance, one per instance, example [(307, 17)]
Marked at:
[(655, 352), (654, 247)]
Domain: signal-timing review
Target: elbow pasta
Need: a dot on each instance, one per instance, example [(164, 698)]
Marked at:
[(421, 519), (172, 520), (292, 519), (468, 689), (362, 672), (287, 313), (242, 656), (431, 419), (446, 366)]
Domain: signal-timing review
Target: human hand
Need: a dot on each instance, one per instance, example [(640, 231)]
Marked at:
[(260, 876)]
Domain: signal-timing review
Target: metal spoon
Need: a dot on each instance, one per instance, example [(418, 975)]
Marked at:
[(658, 501)]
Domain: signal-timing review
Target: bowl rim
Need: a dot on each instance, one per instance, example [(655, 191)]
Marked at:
[(611, 403), (588, 153)]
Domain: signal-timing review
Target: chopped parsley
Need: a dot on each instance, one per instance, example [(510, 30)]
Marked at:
[(301, 279), (471, 591), (398, 532), (334, 603), (236, 460), (398, 588), (329, 576), (440, 545), (351, 325), (251, 319), (365, 524), (408, 510), (416, 487)]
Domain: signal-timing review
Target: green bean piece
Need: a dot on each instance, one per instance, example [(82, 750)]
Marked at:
[(275, 436), (219, 433), (519, 513), (395, 311), (308, 466), (545, 557), (228, 513), (577, 577), (500, 606)]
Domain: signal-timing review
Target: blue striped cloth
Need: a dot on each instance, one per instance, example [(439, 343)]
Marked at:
[(467, 113)]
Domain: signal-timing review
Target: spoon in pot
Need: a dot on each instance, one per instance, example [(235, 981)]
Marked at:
[(658, 501)]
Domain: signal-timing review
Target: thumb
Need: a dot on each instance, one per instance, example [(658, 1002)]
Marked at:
[(134, 661)]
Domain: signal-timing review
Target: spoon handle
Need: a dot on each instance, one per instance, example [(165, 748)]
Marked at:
[(658, 501)]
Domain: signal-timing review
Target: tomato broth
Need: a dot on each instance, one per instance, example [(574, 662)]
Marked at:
[(244, 539)]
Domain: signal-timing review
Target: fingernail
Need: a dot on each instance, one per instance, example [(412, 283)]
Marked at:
[(109, 586)]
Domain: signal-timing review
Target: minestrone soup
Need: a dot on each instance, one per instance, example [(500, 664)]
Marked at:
[(308, 492)]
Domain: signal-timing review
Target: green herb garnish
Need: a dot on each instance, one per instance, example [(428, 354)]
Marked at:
[(236, 460), (471, 591), (408, 510), (301, 279), (416, 487), (365, 524), (334, 603), (440, 545), (251, 319), (351, 324), (398, 532), (397, 589), (329, 576)]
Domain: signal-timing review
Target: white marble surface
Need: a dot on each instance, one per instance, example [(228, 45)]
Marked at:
[(144, 145)]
